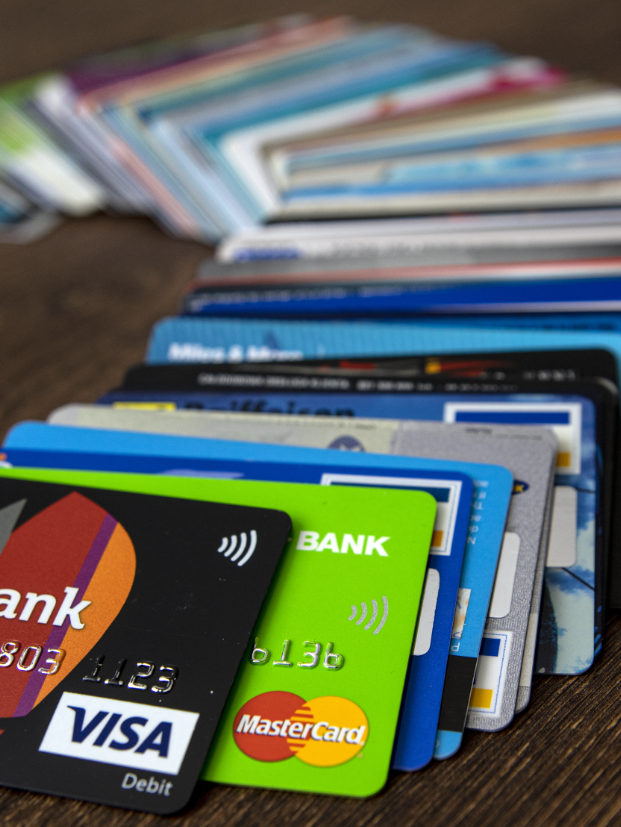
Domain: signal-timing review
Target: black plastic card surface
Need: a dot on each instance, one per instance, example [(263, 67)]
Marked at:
[(121, 631), (529, 366)]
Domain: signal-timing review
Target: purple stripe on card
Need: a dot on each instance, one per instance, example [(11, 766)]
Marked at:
[(93, 557)]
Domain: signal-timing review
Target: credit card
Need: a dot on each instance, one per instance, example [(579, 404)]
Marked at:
[(574, 594), (559, 366), (384, 238), (429, 282), (310, 662), (212, 341), (541, 367), (105, 695), (387, 294), (452, 492)]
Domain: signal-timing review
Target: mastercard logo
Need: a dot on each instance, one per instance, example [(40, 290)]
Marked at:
[(322, 732)]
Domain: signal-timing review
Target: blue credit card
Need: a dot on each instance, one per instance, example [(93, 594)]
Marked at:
[(377, 299), (37, 444), (234, 340), (570, 632)]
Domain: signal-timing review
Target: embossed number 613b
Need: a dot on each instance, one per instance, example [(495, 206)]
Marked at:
[(331, 660)]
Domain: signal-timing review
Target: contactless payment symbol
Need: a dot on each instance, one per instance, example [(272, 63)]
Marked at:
[(237, 546), (322, 732), (64, 576), (374, 614)]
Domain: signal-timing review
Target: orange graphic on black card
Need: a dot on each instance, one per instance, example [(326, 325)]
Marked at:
[(64, 576)]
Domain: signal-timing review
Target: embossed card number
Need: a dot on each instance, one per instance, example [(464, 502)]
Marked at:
[(331, 660), (30, 657), (143, 669)]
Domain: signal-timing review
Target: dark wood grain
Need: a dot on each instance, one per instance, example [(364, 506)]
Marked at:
[(75, 311)]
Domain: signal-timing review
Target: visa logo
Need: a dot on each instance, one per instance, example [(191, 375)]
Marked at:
[(119, 732), (360, 544)]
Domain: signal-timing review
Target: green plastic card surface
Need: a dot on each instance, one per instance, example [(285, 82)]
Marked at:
[(316, 703)]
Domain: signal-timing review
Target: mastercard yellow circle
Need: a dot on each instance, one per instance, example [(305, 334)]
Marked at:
[(335, 730)]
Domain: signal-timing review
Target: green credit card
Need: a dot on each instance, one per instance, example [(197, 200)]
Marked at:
[(316, 704)]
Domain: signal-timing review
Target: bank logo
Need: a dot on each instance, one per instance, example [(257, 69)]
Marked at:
[(237, 548), (361, 544), (373, 618), (132, 735), (322, 732)]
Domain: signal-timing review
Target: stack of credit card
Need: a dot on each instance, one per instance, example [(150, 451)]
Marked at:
[(363, 490), (346, 138), (330, 567)]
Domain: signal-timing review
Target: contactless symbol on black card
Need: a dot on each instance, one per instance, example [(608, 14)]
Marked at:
[(235, 545)]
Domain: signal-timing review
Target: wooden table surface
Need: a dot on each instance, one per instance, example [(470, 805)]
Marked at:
[(75, 311)]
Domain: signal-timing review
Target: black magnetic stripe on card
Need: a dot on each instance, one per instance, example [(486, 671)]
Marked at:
[(456, 695)]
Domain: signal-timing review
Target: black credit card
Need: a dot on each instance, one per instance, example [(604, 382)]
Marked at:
[(528, 366), (121, 631)]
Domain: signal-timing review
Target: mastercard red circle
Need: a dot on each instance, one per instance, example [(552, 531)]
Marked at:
[(257, 725)]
